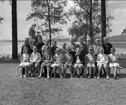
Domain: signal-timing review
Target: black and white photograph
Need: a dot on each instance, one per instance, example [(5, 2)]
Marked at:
[(62, 52)]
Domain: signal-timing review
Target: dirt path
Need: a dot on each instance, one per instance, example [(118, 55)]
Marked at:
[(82, 91)]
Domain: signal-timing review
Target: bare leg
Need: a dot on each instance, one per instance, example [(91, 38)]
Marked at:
[(115, 72), (107, 71), (94, 72), (64, 70), (37, 69), (26, 71), (41, 71), (48, 70), (99, 71), (71, 70), (54, 70), (90, 72), (60, 72), (21, 72), (80, 71)]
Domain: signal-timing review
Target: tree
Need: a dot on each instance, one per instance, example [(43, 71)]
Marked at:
[(103, 19), (13, 4), (82, 13), (47, 14), (1, 18), (124, 31), (14, 30)]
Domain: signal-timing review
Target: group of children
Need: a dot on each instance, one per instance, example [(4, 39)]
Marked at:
[(62, 61)]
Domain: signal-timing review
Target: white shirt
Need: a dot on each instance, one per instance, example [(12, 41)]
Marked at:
[(35, 57), (102, 58), (113, 57), (25, 57)]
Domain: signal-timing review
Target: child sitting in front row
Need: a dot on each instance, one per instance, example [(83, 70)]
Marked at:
[(102, 62), (35, 60), (68, 62), (24, 62), (78, 66), (58, 63), (90, 61), (113, 63), (46, 61)]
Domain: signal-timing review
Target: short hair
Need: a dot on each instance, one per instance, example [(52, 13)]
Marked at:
[(112, 49)]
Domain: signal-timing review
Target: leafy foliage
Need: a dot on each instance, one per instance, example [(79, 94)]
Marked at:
[(48, 12), (81, 12), (124, 31)]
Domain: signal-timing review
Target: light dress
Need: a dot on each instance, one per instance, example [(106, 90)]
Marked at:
[(114, 62), (102, 59), (90, 60), (25, 60), (78, 63)]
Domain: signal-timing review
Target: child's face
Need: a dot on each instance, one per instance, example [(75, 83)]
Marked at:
[(34, 49), (90, 51), (102, 51), (39, 39)]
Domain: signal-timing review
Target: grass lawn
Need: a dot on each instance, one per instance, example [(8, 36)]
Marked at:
[(76, 91)]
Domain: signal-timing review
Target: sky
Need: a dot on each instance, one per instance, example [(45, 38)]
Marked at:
[(116, 8)]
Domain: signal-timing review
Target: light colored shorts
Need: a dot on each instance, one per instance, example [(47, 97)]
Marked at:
[(56, 65), (78, 65), (24, 64), (114, 65), (102, 64), (90, 65)]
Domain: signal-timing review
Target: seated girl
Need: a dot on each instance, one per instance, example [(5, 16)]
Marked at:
[(58, 63), (35, 60), (24, 62), (113, 63), (68, 63), (78, 66), (90, 61), (46, 62), (102, 62)]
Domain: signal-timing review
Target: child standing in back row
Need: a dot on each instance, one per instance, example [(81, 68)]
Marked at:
[(24, 62), (113, 62), (35, 60)]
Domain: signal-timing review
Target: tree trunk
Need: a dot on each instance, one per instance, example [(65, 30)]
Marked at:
[(14, 30), (90, 18), (49, 22), (103, 19)]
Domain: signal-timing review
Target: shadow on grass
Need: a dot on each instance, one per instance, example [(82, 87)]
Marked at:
[(122, 75), (9, 61)]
